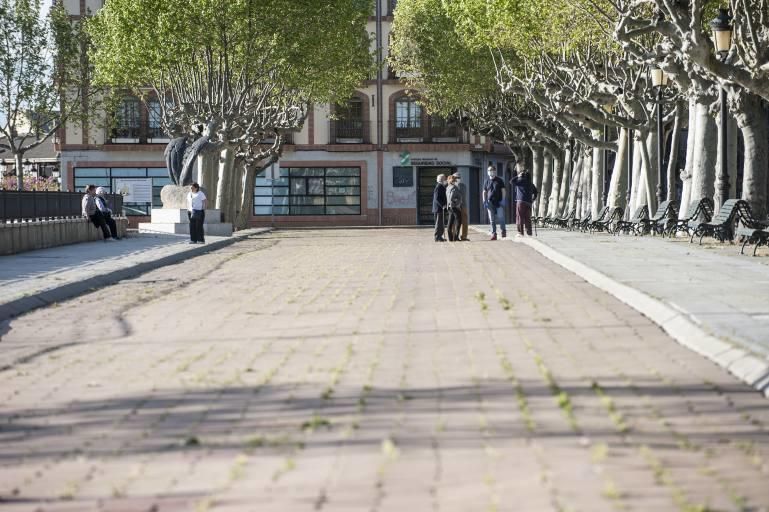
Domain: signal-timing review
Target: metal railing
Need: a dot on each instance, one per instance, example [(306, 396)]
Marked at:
[(345, 131), (16, 206)]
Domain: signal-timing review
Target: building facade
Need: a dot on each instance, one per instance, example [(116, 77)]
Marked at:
[(371, 160)]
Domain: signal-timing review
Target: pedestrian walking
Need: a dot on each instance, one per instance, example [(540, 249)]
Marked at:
[(106, 211), (439, 207), (454, 208), (91, 211), (494, 197), (525, 194), (196, 212), (463, 211)]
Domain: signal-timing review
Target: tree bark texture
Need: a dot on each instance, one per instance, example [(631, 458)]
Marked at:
[(537, 165), (576, 180), (751, 117), (705, 152), (675, 143), (597, 178), (568, 166), (224, 190), (543, 198), (555, 191), (686, 175), (617, 196)]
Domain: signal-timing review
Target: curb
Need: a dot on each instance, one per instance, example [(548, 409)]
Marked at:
[(66, 291), (750, 368)]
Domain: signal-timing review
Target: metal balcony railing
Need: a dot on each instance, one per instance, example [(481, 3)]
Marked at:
[(344, 131)]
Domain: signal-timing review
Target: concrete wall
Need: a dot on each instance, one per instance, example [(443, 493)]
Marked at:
[(28, 236)]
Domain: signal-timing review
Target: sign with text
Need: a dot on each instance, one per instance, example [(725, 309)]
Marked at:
[(403, 177), (429, 161), (134, 190)]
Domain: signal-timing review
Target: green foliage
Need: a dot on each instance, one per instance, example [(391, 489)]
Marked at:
[(31, 82), (319, 48)]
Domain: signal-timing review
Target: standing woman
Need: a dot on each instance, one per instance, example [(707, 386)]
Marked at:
[(196, 212)]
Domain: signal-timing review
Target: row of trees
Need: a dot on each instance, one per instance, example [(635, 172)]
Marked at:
[(235, 76), (567, 83), (232, 77)]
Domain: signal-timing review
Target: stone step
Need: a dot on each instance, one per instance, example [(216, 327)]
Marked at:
[(179, 215), (183, 228)]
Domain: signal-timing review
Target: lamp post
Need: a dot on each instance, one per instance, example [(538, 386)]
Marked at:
[(722, 39), (659, 82)]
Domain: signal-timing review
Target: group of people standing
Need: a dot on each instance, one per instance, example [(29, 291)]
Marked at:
[(450, 208), (450, 204)]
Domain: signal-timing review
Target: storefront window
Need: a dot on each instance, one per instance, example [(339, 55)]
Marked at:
[(144, 182), (309, 191)]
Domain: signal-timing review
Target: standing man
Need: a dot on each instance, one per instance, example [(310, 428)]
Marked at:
[(91, 210), (439, 206), (454, 203), (464, 212), (525, 194), (196, 212), (494, 196)]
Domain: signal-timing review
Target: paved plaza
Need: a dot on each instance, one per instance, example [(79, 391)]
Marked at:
[(368, 370)]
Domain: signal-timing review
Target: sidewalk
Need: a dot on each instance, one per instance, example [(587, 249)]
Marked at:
[(709, 298), (37, 278)]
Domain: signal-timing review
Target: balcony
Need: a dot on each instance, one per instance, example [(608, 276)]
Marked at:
[(436, 133), (349, 131)]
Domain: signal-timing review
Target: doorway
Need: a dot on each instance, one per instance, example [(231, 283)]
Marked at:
[(425, 187)]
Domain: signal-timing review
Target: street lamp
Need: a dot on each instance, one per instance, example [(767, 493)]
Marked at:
[(660, 81), (722, 39)]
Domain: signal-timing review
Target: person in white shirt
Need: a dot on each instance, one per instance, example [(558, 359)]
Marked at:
[(106, 211), (196, 212)]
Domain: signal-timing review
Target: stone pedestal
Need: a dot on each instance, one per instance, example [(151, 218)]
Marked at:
[(173, 221)]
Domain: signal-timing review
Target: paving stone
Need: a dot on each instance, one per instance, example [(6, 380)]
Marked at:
[(363, 370)]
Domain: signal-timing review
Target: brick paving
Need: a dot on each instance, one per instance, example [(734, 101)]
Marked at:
[(368, 370)]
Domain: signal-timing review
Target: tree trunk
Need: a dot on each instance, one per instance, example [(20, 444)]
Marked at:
[(752, 120), (587, 178), (686, 175), (208, 174), (19, 159), (637, 191), (597, 178), (537, 164), (553, 207), (617, 196), (705, 151), (543, 198), (568, 166), (246, 198), (649, 170), (675, 142), (224, 198), (576, 180)]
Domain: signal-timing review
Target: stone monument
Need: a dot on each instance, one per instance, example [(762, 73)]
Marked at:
[(172, 218)]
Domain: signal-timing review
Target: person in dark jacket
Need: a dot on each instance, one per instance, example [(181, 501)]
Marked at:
[(439, 207), (525, 193)]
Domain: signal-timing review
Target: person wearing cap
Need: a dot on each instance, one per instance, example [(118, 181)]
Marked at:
[(454, 206), (464, 212), (103, 206), (525, 195), (439, 207), (91, 211), (494, 196)]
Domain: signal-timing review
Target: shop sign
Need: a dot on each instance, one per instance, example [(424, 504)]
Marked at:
[(430, 161)]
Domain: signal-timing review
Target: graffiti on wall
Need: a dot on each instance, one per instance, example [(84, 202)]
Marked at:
[(401, 198)]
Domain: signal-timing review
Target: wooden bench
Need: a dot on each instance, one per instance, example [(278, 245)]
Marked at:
[(580, 223), (722, 226), (667, 212), (609, 223), (635, 224), (750, 229), (698, 212), (601, 217)]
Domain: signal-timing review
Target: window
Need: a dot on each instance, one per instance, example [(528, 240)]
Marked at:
[(309, 191), (408, 120), (154, 128), (150, 179), (348, 127), (127, 119)]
